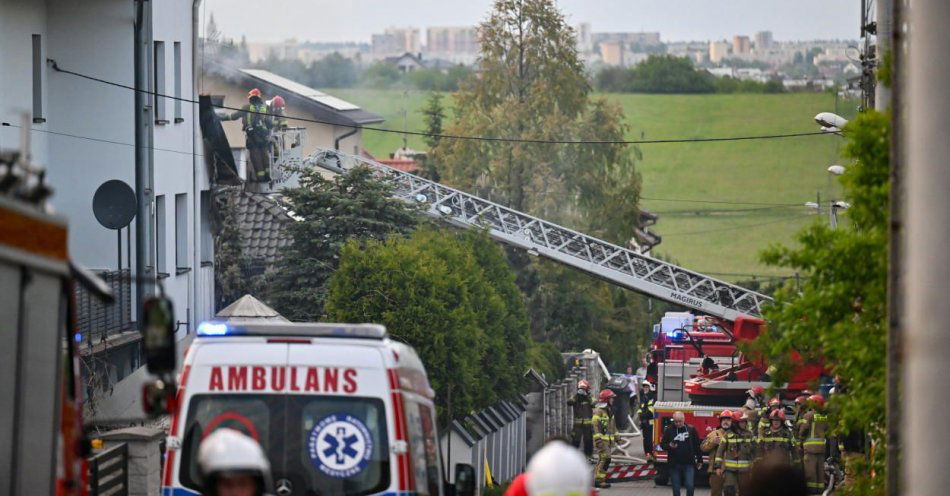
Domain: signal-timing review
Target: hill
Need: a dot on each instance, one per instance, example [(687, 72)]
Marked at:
[(719, 203)]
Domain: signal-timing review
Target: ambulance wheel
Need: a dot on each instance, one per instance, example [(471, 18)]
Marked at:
[(662, 475)]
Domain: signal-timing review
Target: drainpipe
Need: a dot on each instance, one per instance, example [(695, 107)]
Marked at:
[(143, 191), (336, 142), (197, 207)]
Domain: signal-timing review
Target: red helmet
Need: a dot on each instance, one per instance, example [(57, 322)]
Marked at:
[(254, 92), (775, 402), (606, 394), (738, 415), (801, 399), (758, 389), (726, 414), (278, 102), (583, 384), (817, 399), (778, 415)]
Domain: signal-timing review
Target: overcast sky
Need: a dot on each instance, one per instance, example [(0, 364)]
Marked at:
[(356, 20)]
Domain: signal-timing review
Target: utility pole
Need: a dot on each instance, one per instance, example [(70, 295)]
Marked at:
[(895, 259), (885, 29), (927, 118), (143, 123)]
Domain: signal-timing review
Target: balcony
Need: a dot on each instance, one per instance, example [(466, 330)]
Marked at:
[(105, 325)]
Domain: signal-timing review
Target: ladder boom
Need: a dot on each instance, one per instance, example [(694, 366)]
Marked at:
[(614, 264)]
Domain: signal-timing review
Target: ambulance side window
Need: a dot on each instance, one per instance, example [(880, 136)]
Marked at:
[(424, 448)]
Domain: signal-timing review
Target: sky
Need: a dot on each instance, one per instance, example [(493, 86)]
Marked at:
[(676, 20)]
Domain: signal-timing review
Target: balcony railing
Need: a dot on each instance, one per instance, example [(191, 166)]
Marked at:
[(97, 321)]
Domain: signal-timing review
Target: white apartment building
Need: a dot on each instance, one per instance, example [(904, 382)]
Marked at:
[(83, 132)]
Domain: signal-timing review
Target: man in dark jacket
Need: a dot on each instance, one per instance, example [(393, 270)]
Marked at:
[(681, 443), (645, 414)]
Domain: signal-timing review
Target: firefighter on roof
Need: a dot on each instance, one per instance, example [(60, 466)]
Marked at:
[(604, 432)]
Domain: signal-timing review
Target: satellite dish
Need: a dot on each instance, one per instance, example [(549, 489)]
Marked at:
[(114, 204)]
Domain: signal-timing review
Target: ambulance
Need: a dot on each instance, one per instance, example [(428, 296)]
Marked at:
[(338, 408)]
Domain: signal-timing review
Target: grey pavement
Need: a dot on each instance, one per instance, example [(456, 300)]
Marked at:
[(646, 488)]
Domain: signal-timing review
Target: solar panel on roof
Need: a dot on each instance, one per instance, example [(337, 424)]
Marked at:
[(302, 90)]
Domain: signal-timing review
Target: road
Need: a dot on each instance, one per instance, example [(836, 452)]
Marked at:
[(645, 488)]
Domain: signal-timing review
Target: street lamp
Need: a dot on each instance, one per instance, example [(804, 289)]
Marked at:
[(831, 121), (836, 169)]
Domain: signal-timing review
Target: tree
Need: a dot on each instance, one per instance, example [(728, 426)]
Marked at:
[(669, 74), (838, 316), (333, 71), (433, 115), (352, 206), (452, 298), (380, 75)]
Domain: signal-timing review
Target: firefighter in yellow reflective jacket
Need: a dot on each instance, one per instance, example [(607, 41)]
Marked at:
[(583, 411), (777, 441), (256, 124), (812, 432), (711, 446), (604, 435), (734, 456), (765, 416)]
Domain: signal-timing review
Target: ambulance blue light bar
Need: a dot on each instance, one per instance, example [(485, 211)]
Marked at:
[(289, 329)]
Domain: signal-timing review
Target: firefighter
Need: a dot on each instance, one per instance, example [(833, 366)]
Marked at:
[(256, 124), (813, 431), (645, 413), (276, 107), (583, 411), (710, 445), (734, 456), (765, 415), (232, 464), (604, 432), (777, 441), (755, 400)]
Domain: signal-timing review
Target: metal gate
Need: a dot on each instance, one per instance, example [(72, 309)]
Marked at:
[(109, 472)]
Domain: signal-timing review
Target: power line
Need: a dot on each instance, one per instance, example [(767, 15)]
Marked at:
[(452, 136), (745, 226)]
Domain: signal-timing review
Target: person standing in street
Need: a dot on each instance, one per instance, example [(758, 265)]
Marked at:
[(645, 415), (734, 456), (681, 442), (813, 431), (583, 412), (710, 445), (604, 431)]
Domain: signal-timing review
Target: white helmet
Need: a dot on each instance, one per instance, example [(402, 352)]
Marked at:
[(227, 451), (558, 470)]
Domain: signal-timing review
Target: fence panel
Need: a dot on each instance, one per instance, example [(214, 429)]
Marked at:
[(109, 472)]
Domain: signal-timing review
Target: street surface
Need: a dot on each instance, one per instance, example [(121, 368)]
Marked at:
[(645, 487)]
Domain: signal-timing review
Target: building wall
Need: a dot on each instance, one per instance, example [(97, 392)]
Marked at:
[(718, 50), (741, 44), (95, 122), (317, 135)]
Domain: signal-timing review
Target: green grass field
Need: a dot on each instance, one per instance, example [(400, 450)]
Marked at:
[(722, 239)]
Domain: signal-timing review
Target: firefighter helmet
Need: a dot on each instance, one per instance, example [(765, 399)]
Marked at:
[(775, 402), (277, 102), (778, 415), (606, 394), (726, 414), (817, 399), (227, 452), (254, 92), (583, 384), (738, 415), (558, 470), (757, 389), (801, 400)]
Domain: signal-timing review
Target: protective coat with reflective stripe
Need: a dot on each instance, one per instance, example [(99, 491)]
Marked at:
[(777, 443), (813, 432), (604, 426), (736, 451)]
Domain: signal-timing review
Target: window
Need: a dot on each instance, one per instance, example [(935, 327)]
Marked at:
[(177, 50), (284, 425), (160, 235), (207, 243), (38, 79), (181, 233), (160, 117)]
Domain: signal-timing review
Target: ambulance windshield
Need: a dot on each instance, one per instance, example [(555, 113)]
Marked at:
[(319, 445)]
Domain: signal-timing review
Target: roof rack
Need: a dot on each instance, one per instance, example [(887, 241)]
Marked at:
[(363, 331)]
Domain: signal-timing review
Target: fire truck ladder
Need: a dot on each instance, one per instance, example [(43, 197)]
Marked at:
[(610, 262)]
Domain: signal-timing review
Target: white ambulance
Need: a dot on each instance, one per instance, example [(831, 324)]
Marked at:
[(338, 408)]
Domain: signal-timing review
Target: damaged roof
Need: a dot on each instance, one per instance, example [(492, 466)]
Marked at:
[(263, 222)]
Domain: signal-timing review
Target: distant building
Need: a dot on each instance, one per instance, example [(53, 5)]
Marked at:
[(741, 44), (406, 62), (585, 42), (305, 52), (394, 41), (718, 50), (611, 53), (458, 44), (763, 41), (641, 39)]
